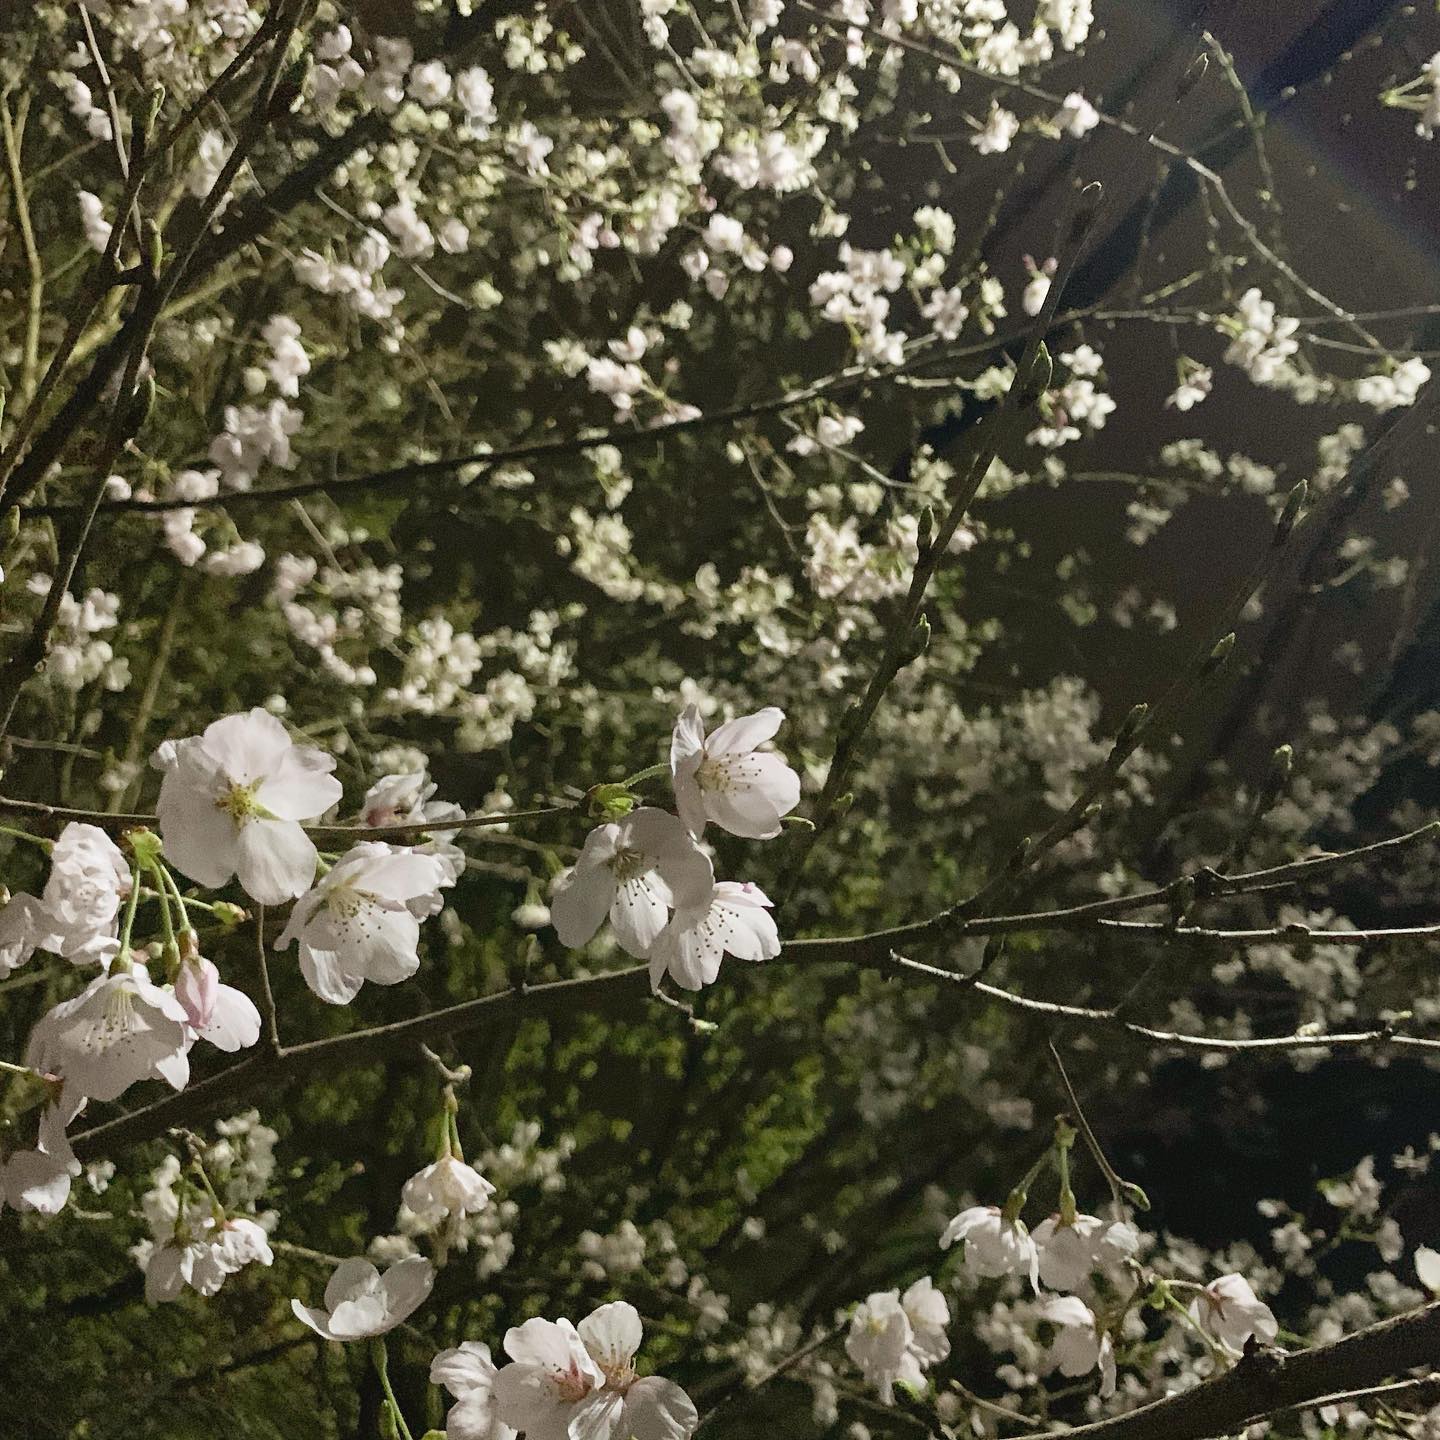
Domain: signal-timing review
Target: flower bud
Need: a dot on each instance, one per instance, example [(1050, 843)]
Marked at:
[(1294, 502), (1219, 655), (197, 987)]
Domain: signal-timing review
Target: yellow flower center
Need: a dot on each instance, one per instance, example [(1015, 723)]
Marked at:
[(239, 802)]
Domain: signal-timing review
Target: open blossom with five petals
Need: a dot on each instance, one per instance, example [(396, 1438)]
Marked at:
[(468, 1373), (360, 1302), (734, 919), (893, 1338), (1230, 1312), (566, 1383), (1078, 1345), (232, 800), (633, 870), (448, 1187), (120, 1029), (358, 923), (201, 1253), (994, 1246), (727, 778), (216, 1012)]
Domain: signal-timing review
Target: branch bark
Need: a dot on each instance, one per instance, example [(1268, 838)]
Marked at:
[(1266, 1381)]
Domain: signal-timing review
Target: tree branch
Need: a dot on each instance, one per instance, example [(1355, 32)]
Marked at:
[(1266, 1381)]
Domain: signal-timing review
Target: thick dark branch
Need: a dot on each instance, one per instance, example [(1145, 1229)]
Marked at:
[(269, 1072), (1267, 1381)]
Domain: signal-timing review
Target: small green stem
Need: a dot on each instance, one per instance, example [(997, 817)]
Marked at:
[(651, 772), (1168, 1296), (167, 925), (168, 880), (382, 1368), (131, 906), (9, 1068), (46, 845), (1064, 1139)]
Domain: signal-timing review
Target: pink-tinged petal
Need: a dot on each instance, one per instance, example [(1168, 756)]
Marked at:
[(327, 977), (687, 739), (612, 1334), (234, 1022), (580, 901), (275, 860), (742, 893), (638, 915), (197, 987), (736, 737), (658, 1409)]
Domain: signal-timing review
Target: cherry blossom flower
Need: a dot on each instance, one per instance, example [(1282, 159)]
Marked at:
[(468, 1373), (1071, 1254), (89, 881), (1229, 1311), (448, 1187), (993, 1245), (929, 1314), (216, 1012), (1076, 115), (726, 778), (1427, 1268), (879, 1343), (232, 800), (358, 924), (360, 1302), (565, 1383), (39, 1179), (894, 1338), (405, 800), (120, 1029), (201, 1253), (1078, 1346), (634, 870), (77, 914), (22, 923), (734, 919)]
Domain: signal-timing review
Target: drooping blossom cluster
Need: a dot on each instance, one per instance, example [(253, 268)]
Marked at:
[(647, 873)]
